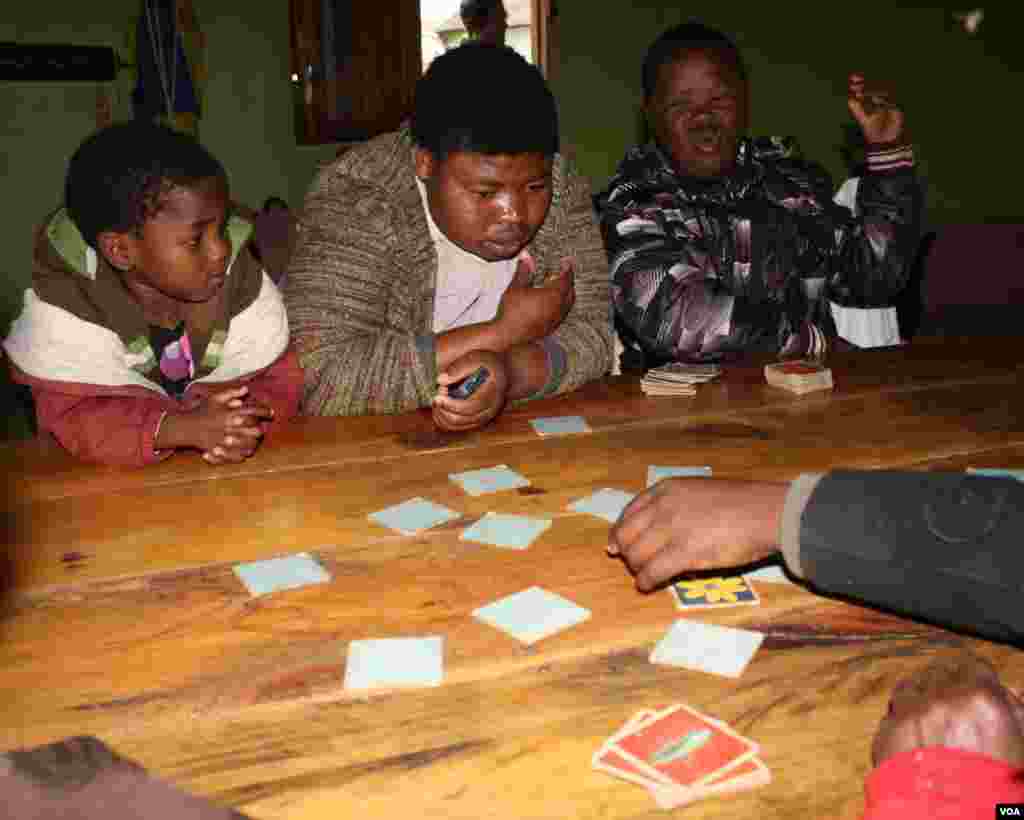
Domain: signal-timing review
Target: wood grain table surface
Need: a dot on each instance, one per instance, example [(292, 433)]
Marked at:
[(123, 617)]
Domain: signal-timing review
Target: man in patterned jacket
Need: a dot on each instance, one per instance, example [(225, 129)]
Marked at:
[(721, 244)]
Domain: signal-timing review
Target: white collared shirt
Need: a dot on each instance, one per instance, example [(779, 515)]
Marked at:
[(469, 289)]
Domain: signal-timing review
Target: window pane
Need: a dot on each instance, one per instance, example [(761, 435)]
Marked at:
[(442, 27)]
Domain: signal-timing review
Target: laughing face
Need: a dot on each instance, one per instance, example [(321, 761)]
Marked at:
[(697, 113)]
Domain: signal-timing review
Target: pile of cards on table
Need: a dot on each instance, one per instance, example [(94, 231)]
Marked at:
[(681, 756), (799, 376), (677, 379)]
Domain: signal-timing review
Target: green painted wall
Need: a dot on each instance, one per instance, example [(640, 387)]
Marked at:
[(963, 101), (248, 122)]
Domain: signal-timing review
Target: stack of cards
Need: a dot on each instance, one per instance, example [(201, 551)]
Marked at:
[(677, 379), (801, 376), (682, 756)]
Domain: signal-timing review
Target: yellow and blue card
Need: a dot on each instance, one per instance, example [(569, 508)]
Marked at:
[(713, 593), (276, 574), (515, 532), (489, 480), (560, 425), (413, 516), (532, 614), (393, 662)]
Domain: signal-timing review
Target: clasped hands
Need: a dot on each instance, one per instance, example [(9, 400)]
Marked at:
[(226, 426)]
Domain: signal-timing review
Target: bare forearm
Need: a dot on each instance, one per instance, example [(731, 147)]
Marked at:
[(456, 343), (527, 370)]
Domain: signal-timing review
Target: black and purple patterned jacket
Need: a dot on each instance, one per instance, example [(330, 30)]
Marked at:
[(706, 268)]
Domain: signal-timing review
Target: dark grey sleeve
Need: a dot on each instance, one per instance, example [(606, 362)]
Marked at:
[(943, 547)]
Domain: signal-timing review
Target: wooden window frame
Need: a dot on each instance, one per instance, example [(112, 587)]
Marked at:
[(381, 67)]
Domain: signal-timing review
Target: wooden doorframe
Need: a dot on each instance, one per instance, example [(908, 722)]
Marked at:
[(541, 23)]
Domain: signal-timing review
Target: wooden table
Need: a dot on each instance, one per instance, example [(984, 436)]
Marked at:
[(124, 618)]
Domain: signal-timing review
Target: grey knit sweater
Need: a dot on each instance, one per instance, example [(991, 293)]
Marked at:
[(360, 286)]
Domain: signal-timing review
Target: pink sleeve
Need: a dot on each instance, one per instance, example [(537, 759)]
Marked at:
[(119, 429), (938, 782), (105, 429), (280, 387)]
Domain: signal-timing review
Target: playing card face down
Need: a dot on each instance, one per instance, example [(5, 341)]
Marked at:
[(681, 746), (748, 774), (677, 379), (560, 425), (656, 473), (489, 480), (514, 532), (413, 516), (751, 774), (769, 574), (713, 593), (799, 376), (609, 759), (395, 662), (276, 574), (997, 472), (717, 650), (606, 503), (532, 614)]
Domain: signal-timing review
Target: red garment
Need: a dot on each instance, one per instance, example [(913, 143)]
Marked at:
[(118, 425), (936, 783)]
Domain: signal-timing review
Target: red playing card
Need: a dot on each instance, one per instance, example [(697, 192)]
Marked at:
[(684, 747), (750, 774), (802, 368), (609, 759)]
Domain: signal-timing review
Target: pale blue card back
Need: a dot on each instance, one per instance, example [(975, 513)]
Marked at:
[(532, 614), (413, 516), (275, 574), (997, 472), (385, 662), (560, 425), (656, 474), (489, 480), (515, 532), (607, 503)]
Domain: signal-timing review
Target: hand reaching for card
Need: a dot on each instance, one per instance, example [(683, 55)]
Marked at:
[(686, 524)]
